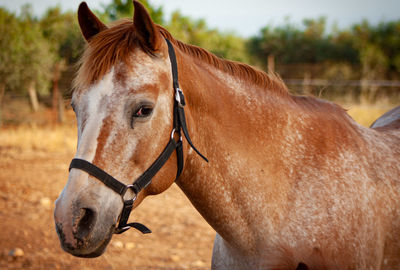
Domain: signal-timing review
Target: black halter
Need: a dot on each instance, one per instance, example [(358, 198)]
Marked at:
[(179, 124)]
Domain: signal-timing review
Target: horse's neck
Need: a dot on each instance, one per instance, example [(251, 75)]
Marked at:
[(249, 135)]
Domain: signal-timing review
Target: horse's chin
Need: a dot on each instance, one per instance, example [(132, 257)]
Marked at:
[(89, 250)]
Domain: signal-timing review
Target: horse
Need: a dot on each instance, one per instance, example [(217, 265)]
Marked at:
[(292, 182)]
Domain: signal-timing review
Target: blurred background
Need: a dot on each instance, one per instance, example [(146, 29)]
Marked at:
[(347, 51)]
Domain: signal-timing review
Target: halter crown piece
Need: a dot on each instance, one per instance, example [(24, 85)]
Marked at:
[(179, 125)]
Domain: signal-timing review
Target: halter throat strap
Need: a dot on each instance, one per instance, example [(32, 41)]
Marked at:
[(179, 125)]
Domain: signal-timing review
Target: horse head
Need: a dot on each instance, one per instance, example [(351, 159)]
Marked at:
[(124, 105)]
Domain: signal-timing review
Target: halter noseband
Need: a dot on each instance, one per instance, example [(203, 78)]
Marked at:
[(179, 125)]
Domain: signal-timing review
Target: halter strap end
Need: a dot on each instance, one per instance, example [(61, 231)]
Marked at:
[(138, 226)]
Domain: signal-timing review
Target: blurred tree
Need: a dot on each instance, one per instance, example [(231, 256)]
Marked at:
[(62, 31), (9, 53), (229, 46), (292, 44), (25, 61), (374, 65), (196, 32), (374, 61), (36, 61), (118, 9), (343, 47), (284, 42), (385, 37), (377, 47), (186, 29), (9, 48), (317, 45), (63, 34)]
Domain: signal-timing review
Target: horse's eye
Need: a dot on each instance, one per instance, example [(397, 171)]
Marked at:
[(73, 106), (143, 111)]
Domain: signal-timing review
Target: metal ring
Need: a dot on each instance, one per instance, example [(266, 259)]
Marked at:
[(126, 188), (172, 133)]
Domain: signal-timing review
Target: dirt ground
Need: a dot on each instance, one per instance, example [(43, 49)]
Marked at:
[(30, 182)]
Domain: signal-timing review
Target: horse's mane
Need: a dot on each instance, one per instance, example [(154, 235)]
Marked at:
[(113, 45), (243, 71)]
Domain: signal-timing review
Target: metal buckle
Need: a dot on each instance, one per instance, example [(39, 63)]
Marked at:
[(177, 96), (172, 135), (125, 190), (178, 93)]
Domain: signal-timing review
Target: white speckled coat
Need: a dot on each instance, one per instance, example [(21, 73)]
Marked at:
[(292, 182)]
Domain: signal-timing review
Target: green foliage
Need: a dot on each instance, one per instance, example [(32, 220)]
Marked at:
[(10, 48), (378, 46), (196, 32), (291, 44), (24, 52), (374, 61), (342, 47), (229, 46), (118, 9), (373, 50), (63, 34)]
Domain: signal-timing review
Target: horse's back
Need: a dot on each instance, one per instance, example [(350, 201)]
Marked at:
[(389, 120)]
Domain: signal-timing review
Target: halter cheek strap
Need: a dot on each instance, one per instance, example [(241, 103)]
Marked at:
[(179, 125)]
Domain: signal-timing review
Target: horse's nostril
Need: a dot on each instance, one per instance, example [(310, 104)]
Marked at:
[(84, 223)]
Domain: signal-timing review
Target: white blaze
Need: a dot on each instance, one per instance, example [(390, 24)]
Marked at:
[(87, 141)]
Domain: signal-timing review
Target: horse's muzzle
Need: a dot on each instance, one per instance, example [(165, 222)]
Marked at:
[(78, 232)]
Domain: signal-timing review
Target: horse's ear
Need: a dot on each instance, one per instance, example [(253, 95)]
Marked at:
[(146, 30), (89, 23)]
